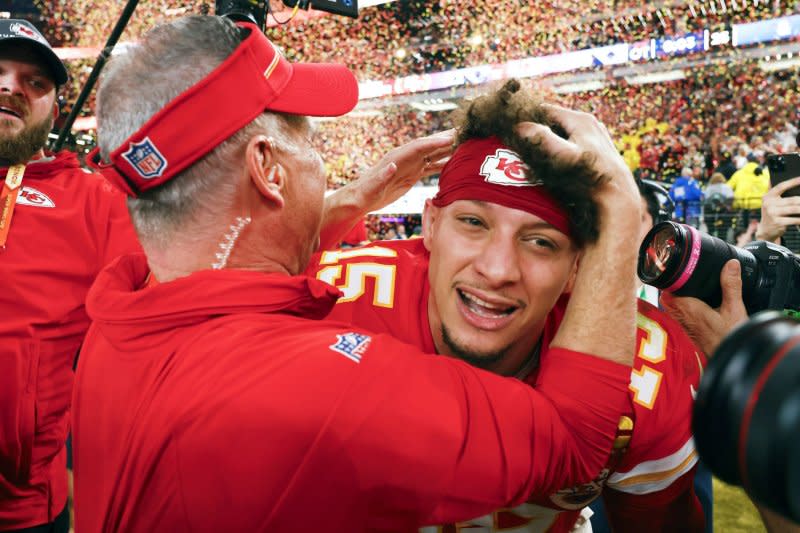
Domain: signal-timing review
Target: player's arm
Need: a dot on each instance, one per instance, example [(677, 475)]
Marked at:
[(382, 184)]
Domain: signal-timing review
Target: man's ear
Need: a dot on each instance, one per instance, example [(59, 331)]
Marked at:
[(429, 215), (572, 275), (264, 170)]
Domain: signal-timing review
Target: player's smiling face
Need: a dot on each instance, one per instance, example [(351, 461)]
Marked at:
[(495, 273)]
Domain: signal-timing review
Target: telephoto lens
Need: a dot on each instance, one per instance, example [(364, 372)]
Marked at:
[(746, 421), (679, 259)]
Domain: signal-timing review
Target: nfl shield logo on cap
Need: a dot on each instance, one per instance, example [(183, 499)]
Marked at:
[(145, 158)]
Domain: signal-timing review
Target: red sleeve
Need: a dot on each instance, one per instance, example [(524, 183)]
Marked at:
[(438, 440), (675, 508)]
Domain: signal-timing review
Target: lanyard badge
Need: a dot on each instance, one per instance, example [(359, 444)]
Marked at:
[(8, 199)]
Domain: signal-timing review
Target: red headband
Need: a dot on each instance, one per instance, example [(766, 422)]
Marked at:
[(488, 171), (254, 78)]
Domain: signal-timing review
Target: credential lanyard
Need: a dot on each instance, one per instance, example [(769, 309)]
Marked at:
[(8, 199)]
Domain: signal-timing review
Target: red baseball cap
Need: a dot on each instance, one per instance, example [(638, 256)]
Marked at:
[(253, 79)]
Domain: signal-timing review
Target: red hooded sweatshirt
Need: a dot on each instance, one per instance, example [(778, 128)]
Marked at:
[(222, 401), (66, 226)]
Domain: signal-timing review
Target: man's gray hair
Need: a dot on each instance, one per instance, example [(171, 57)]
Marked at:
[(170, 59)]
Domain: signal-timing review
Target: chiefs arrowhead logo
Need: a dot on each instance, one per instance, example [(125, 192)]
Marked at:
[(25, 31), (32, 197), (505, 168)]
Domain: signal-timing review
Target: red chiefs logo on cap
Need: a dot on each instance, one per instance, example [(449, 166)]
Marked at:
[(21, 29), (505, 168)]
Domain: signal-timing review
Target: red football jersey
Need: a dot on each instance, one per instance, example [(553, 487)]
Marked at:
[(649, 477)]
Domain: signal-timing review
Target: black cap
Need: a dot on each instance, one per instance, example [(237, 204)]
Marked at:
[(24, 31)]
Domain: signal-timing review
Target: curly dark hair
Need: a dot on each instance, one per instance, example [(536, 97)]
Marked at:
[(571, 182)]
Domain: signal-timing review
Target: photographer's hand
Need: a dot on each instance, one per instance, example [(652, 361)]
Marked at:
[(777, 212), (707, 326)]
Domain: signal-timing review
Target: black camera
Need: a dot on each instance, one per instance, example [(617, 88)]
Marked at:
[(254, 11), (678, 258), (746, 421)]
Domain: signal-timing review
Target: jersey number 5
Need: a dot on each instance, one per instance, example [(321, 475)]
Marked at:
[(355, 274)]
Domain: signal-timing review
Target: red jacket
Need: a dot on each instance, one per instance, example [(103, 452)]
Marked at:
[(647, 484), (66, 226), (221, 402)]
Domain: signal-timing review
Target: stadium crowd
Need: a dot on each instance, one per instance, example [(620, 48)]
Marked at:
[(414, 37)]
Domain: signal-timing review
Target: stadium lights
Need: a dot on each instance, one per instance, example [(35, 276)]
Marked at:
[(656, 77), (434, 104), (783, 64), (594, 85)]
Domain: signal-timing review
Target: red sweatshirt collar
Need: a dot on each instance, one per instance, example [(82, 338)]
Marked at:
[(49, 165), (124, 312)]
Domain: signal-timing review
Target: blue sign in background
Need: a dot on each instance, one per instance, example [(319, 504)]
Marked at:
[(766, 30)]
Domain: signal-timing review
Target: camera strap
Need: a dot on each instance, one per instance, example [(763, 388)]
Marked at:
[(8, 199)]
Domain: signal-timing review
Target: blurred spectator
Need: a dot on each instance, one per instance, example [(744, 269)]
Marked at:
[(687, 196), (749, 185), (726, 167), (718, 207)]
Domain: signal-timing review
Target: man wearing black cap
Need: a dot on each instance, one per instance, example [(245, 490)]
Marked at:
[(58, 226)]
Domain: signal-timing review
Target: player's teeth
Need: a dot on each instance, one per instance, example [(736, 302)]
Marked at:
[(484, 309), (481, 302)]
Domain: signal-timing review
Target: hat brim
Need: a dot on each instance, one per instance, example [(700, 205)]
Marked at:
[(302, 95), (57, 68)]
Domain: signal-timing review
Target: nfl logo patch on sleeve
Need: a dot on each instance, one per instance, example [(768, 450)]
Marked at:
[(351, 345)]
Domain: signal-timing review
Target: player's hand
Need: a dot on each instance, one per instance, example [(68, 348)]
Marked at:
[(777, 212), (707, 326), (618, 195), (401, 168)]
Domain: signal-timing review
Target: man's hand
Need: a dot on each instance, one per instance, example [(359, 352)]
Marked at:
[(384, 183), (401, 168), (618, 197), (707, 326), (777, 212)]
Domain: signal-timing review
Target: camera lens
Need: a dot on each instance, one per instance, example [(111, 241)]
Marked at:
[(746, 422), (678, 258)]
